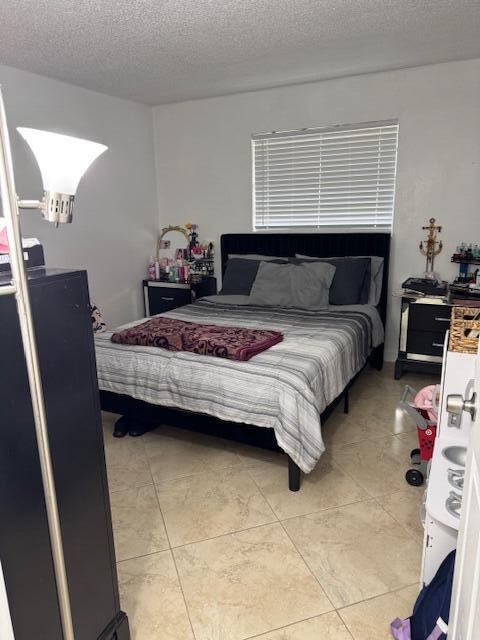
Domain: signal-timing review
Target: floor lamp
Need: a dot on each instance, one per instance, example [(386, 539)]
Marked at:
[(62, 161)]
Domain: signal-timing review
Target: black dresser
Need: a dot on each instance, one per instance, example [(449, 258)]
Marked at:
[(65, 344), (164, 296), (424, 322)]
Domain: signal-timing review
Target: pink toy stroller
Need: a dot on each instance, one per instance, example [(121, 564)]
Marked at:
[(423, 410)]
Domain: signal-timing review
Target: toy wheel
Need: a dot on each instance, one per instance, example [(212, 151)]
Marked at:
[(414, 477), (414, 452)]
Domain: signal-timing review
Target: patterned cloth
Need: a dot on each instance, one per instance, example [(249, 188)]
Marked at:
[(98, 323), (234, 343)]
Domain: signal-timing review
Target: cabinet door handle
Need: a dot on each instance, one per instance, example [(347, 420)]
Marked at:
[(437, 344), (165, 298), (442, 319)]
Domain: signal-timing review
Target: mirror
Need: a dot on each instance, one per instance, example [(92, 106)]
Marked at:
[(173, 243)]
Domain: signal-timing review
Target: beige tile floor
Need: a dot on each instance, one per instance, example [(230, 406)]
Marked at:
[(211, 544)]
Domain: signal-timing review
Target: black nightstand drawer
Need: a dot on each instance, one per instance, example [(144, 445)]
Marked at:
[(424, 322), (165, 296), (429, 317), (161, 299), (429, 343)]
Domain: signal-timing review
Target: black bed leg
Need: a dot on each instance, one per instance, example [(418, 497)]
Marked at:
[(293, 475), (398, 370), (346, 402)]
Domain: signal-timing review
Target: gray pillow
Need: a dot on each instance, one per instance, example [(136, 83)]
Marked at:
[(302, 286), (239, 277), (376, 275), (351, 284), (376, 279)]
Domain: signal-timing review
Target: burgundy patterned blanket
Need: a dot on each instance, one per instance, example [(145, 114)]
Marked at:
[(234, 343)]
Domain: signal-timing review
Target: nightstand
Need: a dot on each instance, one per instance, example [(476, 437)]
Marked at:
[(423, 325), (164, 296)]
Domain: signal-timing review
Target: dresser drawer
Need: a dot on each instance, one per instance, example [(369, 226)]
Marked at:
[(428, 343), (429, 317), (161, 299)]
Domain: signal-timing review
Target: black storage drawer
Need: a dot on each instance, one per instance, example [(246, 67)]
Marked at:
[(429, 317), (165, 296), (161, 299), (424, 322), (63, 329), (429, 343)]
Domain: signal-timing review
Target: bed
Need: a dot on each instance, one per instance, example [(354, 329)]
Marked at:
[(280, 397)]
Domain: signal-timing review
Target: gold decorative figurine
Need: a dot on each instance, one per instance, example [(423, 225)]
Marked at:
[(431, 247)]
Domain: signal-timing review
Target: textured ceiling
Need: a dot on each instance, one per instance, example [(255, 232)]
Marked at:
[(157, 51)]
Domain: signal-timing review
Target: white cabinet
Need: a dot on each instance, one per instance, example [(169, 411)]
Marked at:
[(441, 522), (439, 540)]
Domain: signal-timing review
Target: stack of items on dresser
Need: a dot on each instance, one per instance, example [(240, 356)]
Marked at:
[(465, 289)]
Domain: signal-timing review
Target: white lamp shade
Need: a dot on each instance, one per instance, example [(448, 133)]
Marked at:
[(62, 159)]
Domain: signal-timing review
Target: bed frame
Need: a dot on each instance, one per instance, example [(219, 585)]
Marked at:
[(138, 417)]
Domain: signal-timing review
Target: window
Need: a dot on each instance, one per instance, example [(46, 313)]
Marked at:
[(342, 176)]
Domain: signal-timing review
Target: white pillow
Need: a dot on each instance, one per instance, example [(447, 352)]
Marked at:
[(376, 275)]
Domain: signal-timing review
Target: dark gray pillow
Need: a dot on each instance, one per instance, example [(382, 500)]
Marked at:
[(351, 282), (240, 275), (298, 286), (376, 275)]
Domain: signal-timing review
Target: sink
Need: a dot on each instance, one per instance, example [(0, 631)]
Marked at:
[(455, 454)]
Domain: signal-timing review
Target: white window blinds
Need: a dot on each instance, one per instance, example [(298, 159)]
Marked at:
[(341, 176)]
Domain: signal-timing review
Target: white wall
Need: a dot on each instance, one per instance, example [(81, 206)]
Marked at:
[(204, 167), (115, 216)]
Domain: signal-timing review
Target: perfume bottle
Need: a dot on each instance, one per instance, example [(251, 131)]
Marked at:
[(151, 268)]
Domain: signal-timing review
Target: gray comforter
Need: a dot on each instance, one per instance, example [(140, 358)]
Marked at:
[(284, 388)]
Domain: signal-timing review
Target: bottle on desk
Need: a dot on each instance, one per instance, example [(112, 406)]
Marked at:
[(151, 268)]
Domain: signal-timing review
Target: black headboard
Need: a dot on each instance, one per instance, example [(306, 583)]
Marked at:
[(320, 245)]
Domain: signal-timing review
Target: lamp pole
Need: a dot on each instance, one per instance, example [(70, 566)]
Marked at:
[(19, 288)]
